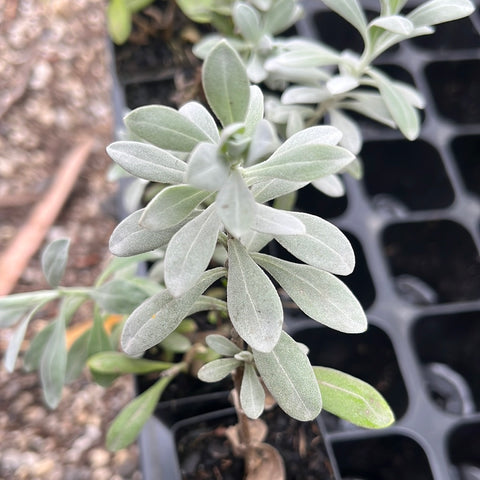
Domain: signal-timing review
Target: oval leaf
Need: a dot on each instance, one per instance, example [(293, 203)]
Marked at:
[(118, 296), (330, 185), (352, 399), (199, 115), (119, 21), (305, 156), (54, 261), (352, 136), (253, 303), (323, 245), (252, 394), (206, 169), (440, 11), (405, 115), (395, 24), (166, 128), (53, 364), (276, 222), (222, 345), (161, 314), (217, 370), (170, 206), (16, 341), (236, 205), (267, 190), (77, 357), (190, 250), (130, 238), (247, 21), (12, 307), (288, 375), (147, 161), (117, 363), (319, 294), (128, 423), (226, 84)]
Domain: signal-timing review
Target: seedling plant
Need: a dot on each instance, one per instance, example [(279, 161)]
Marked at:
[(227, 174)]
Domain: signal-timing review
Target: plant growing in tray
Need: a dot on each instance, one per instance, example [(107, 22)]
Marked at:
[(276, 119)]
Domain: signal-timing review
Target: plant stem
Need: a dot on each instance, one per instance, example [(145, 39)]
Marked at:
[(244, 435)]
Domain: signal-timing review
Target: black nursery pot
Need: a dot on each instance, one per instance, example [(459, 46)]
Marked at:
[(414, 223)]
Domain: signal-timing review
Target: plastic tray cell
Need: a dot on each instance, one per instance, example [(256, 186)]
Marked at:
[(388, 173), (448, 346), (389, 457), (464, 450), (439, 254), (457, 95), (466, 151)]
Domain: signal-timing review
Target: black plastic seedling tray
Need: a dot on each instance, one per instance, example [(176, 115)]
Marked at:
[(415, 218), (414, 223)]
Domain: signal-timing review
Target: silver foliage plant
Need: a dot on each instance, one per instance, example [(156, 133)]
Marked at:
[(217, 186), (220, 183), (224, 177)]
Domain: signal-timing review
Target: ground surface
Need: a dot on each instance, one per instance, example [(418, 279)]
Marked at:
[(54, 87)]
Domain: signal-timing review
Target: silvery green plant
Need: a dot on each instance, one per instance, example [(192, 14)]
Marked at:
[(222, 179), (217, 186)]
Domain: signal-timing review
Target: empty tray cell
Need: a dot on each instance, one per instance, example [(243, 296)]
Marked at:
[(466, 150), (311, 200), (388, 173), (389, 457), (464, 450), (449, 348), (437, 260), (454, 85), (369, 356), (456, 35)]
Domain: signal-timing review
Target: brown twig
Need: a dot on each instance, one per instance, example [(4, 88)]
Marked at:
[(15, 258)]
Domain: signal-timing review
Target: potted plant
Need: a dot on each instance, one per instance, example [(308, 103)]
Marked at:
[(220, 185)]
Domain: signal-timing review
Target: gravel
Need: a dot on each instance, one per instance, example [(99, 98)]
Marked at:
[(55, 85)]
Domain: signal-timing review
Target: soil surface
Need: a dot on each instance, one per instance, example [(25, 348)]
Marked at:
[(55, 87)]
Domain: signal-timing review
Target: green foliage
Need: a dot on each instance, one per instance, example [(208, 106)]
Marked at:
[(128, 423), (54, 261), (119, 17), (352, 399)]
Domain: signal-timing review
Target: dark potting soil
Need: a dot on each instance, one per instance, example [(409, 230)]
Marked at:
[(205, 453), (156, 65)]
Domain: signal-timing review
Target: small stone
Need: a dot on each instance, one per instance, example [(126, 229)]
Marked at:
[(98, 458), (34, 414), (125, 463), (41, 75), (42, 467), (102, 474)]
